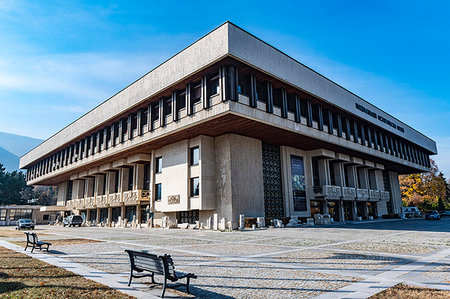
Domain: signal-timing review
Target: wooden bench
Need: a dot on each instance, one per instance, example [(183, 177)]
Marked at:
[(33, 241), (156, 264)]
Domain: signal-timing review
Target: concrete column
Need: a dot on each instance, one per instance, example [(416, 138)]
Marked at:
[(109, 215), (354, 210), (340, 175), (122, 212), (341, 211), (88, 215), (138, 213), (351, 179), (366, 210), (123, 176), (396, 197), (98, 215), (139, 177), (324, 172)]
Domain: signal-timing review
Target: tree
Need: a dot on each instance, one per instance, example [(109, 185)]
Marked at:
[(425, 190), (12, 186)]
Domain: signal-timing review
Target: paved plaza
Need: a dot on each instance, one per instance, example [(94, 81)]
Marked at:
[(339, 261)]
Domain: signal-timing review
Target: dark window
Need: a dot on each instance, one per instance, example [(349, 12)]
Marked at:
[(45, 217), (147, 176), (352, 128), (214, 85), (144, 117), (194, 155), (291, 103), (158, 165), (116, 181), (326, 120), (335, 121), (181, 100), (91, 190), (277, 98), (155, 111), (195, 187), (130, 178), (69, 190), (116, 130), (261, 91), (315, 112), (332, 174), (196, 92), (304, 108), (167, 106), (188, 216), (158, 192), (315, 168), (124, 126), (244, 84), (133, 121), (104, 184)]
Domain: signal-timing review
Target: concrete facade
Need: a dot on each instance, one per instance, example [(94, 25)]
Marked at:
[(229, 126)]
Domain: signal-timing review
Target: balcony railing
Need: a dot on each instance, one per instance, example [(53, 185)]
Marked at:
[(130, 197), (348, 193), (362, 194), (384, 195), (328, 192), (102, 201), (115, 199), (374, 195), (89, 203)]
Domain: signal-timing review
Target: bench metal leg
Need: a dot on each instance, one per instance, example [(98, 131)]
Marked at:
[(153, 277), (187, 284), (131, 277), (32, 249), (164, 287), (26, 247)]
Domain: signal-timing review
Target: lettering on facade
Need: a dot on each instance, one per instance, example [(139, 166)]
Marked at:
[(379, 117), (173, 199)]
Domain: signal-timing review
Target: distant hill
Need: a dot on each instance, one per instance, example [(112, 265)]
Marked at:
[(16, 144), (9, 160), (13, 146)]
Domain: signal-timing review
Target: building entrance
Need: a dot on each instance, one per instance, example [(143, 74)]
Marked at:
[(348, 210), (333, 210), (273, 196)]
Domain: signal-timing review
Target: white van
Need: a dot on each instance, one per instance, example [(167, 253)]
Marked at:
[(411, 212)]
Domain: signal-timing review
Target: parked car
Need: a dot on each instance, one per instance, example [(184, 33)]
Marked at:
[(25, 223), (445, 213), (432, 215), (411, 212), (73, 220)]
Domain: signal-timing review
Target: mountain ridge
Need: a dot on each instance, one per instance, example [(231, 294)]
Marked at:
[(13, 146)]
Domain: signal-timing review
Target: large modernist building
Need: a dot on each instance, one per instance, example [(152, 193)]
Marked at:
[(230, 125)]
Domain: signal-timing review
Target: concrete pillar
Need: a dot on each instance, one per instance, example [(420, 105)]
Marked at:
[(98, 215), (325, 207), (123, 181), (88, 215), (139, 177), (109, 215), (354, 210), (324, 172), (396, 197), (366, 210), (341, 211), (122, 212), (138, 213)]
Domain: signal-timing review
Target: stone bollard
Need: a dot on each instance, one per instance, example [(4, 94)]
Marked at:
[(215, 222), (242, 222), (209, 223), (223, 224), (260, 222)]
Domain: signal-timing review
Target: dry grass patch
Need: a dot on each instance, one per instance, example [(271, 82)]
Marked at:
[(22, 276), (57, 242), (409, 292), (9, 233)]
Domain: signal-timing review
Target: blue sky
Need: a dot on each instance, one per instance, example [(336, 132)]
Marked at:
[(59, 59)]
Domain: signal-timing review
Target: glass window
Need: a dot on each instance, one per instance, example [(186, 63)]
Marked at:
[(181, 100), (194, 156), (195, 187), (3, 215), (261, 91), (244, 84), (197, 93), (291, 103), (298, 183), (130, 178), (147, 176), (158, 191), (277, 100), (116, 181), (214, 85), (158, 165)]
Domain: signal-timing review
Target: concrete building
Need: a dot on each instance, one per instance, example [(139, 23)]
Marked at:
[(228, 126), (9, 215)]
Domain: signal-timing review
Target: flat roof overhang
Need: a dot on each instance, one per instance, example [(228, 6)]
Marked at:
[(228, 40), (231, 122)]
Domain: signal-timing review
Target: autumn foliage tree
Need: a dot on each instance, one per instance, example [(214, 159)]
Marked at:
[(426, 191)]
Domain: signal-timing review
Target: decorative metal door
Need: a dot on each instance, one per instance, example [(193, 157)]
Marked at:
[(273, 196)]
